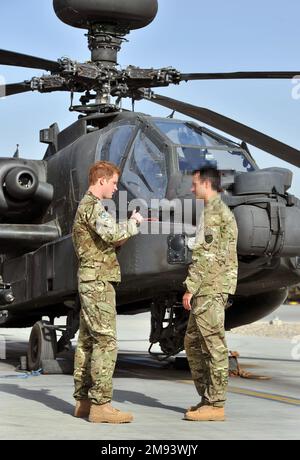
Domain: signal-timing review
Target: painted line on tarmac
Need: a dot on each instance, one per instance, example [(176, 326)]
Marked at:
[(242, 391), (267, 396), (257, 394)]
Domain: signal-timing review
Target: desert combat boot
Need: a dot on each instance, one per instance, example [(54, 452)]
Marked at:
[(206, 414), (105, 413), (82, 408), (197, 406)]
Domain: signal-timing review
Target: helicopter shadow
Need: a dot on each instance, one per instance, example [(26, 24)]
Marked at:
[(41, 396), (54, 403), (141, 399)]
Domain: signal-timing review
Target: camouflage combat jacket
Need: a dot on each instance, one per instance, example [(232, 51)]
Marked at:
[(95, 233), (214, 260)]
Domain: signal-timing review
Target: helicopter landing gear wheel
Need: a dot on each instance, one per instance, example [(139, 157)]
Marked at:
[(42, 345), (168, 326)]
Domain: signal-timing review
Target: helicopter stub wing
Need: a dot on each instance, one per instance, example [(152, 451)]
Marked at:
[(229, 126)]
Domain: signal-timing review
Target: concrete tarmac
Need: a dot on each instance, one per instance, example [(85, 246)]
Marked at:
[(41, 407)]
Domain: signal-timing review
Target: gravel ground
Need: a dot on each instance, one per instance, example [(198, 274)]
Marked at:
[(278, 330)]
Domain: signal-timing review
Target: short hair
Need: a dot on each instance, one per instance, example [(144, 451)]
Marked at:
[(102, 169), (211, 174)]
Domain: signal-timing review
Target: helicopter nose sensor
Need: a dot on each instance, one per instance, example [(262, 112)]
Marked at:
[(131, 14)]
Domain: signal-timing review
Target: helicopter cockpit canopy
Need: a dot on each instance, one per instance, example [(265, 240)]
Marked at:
[(196, 146), (152, 152)]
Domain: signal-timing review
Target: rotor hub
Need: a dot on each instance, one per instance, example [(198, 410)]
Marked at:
[(105, 43), (107, 22)]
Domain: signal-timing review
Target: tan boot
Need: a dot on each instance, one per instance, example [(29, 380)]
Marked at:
[(105, 413), (82, 408), (206, 414), (192, 408)]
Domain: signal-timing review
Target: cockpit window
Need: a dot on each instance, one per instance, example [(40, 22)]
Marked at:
[(113, 144), (145, 172), (183, 134), (191, 158), (193, 147)]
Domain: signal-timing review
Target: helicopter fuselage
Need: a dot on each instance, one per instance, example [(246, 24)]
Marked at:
[(38, 200)]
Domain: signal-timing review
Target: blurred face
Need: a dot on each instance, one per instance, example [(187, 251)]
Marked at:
[(107, 187), (199, 187)]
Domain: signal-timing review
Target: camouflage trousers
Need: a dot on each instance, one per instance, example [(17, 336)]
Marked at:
[(96, 352), (206, 348)]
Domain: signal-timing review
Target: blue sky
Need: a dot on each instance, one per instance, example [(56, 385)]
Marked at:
[(190, 35)]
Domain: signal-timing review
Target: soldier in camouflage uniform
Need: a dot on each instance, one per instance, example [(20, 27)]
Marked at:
[(211, 278), (96, 236)]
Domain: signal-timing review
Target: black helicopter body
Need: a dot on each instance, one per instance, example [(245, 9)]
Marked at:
[(39, 198)]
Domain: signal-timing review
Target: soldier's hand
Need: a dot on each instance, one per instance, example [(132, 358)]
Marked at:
[(120, 243), (186, 301), (137, 217)]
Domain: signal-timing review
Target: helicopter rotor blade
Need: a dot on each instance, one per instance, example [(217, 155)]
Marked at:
[(239, 75), (14, 88), (229, 126), (22, 60)]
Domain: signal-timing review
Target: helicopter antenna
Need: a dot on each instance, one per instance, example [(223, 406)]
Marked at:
[(120, 104), (17, 152), (71, 100), (171, 114)]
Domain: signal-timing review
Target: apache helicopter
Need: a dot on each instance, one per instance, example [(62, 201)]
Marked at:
[(39, 198)]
